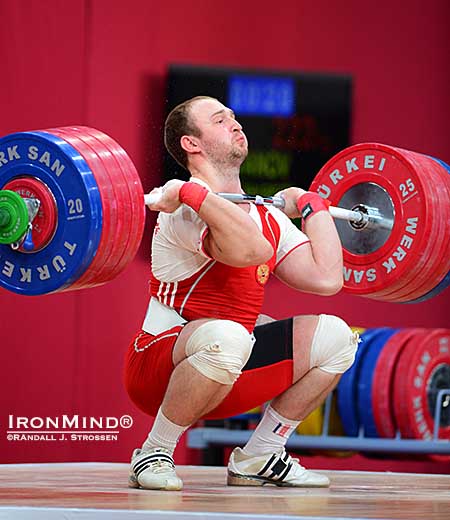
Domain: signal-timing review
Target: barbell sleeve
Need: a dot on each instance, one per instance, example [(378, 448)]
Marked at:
[(359, 218)]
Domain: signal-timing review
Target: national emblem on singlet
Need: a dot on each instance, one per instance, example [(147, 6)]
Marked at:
[(262, 274)]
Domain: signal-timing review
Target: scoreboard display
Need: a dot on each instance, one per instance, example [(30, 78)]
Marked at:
[(294, 122)]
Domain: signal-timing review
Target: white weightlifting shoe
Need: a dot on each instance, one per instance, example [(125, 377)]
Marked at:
[(153, 469), (273, 468)]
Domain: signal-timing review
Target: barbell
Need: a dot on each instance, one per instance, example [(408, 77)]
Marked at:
[(361, 218), (72, 212)]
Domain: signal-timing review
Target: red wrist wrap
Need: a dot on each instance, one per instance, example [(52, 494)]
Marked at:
[(193, 195), (310, 203)]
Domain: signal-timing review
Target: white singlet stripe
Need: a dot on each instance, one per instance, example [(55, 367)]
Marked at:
[(161, 285), (166, 292), (174, 290), (194, 285)]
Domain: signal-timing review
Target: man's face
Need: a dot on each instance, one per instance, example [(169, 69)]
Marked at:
[(222, 139)]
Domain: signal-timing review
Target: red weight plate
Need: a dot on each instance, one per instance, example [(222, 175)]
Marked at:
[(45, 222), (108, 206), (119, 233), (405, 191), (383, 382), (126, 253), (416, 259), (424, 262), (135, 197), (121, 236), (433, 263), (93, 275), (133, 192), (443, 268), (422, 370), (439, 257)]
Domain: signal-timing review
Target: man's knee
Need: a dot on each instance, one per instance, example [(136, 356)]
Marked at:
[(219, 349), (334, 345)]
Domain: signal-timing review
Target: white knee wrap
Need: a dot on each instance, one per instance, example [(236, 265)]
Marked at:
[(334, 345), (219, 349)]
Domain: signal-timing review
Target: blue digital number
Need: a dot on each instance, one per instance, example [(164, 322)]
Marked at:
[(261, 96)]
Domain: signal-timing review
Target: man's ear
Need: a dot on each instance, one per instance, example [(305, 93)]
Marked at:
[(189, 144)]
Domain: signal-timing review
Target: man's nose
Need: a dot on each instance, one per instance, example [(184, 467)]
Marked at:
[(236, 126)]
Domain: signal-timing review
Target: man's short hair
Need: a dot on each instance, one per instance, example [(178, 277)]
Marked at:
[(178, 123)]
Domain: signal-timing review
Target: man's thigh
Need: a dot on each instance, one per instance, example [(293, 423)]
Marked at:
[(148, 368), (279, 358)]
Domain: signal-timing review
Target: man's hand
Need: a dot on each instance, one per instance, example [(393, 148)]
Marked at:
[(170, 200), (291, 195)]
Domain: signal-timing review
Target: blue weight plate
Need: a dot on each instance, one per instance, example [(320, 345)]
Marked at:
[(348, 386), (72, 183), (445, 282), (365, 381)]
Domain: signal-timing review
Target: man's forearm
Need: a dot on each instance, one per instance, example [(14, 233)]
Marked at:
[(325, 243)]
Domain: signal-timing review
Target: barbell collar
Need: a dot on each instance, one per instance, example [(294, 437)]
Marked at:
[(25, 240), (33, 206), (358, 218)]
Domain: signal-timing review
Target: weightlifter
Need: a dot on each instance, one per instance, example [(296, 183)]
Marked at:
[(204, 350)]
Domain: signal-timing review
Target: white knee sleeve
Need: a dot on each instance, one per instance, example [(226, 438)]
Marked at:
[(334, 345), (219, 349)]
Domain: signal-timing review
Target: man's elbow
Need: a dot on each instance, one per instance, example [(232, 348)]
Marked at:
[(257, 254), (330, 285)]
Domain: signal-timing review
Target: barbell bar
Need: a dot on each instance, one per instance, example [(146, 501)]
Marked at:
[(392, 221), (361, 218)]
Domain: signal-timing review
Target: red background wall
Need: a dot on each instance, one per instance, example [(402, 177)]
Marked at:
[(102, 63)]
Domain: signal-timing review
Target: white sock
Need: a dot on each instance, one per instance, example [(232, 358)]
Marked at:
[(271, 434), (164, 434)]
